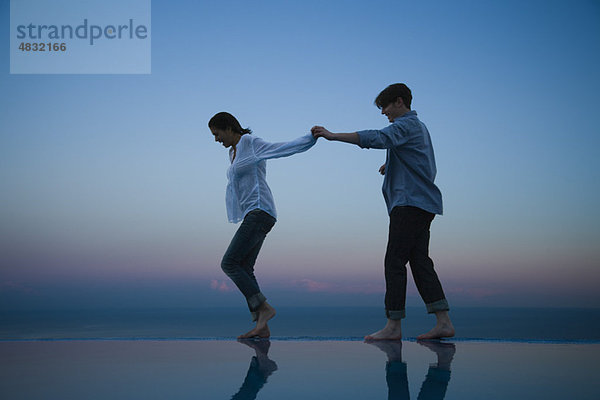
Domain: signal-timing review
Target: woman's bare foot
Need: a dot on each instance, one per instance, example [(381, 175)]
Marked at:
[(257, 333), (442, 329), (391, 331), (265, 313)]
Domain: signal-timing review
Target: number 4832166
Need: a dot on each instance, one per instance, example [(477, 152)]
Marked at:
[(43, 47)]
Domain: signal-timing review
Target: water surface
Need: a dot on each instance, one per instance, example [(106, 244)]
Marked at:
[(206, 369)]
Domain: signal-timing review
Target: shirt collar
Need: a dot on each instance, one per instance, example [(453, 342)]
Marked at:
[(411, 113)]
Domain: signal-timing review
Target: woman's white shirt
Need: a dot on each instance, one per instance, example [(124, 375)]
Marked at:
[(247, 187)]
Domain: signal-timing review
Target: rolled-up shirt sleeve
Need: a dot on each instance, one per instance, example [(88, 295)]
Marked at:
[(388, 137), (265, 150)]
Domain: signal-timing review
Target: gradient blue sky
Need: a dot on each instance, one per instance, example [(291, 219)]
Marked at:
[(112, 188)]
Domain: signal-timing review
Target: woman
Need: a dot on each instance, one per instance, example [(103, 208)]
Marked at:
[(249, 199)]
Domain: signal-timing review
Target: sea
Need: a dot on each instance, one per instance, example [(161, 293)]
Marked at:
[(298, 323)]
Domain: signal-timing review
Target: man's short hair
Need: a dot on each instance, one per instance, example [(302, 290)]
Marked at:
[(391, 93)]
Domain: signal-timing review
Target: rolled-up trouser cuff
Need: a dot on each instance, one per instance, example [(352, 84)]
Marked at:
[(440, 305), (395, 314), (255, 301)]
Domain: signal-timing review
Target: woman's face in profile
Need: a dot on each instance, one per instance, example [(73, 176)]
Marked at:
[(224, 136)]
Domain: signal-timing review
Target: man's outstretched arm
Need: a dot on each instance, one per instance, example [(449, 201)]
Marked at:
[(352, 138)]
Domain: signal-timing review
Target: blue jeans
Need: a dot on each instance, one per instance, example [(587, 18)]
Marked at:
[(240, 257)]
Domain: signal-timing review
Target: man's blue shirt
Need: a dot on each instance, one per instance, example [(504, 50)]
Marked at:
[(410, 163)]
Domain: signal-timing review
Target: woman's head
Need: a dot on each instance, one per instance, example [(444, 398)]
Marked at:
[(224, 120), (226, 129)]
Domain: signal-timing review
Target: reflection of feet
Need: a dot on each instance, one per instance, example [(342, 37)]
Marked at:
[(265, 313), (392, 348), (441, 330), (444, 351), (261, 346), (391, 331), (265, 365)]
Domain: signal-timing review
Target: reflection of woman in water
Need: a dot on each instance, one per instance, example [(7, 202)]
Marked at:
[(436, 382), (249, 200), (261, 366)]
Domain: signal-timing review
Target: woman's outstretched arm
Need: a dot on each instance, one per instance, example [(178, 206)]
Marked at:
[(265, 150)]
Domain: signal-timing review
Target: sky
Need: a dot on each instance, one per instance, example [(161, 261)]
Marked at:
[(112, 189)]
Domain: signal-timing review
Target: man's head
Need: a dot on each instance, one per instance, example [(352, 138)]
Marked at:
[(394, 101)]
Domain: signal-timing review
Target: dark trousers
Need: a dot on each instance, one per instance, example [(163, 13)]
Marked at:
[(408, 242)]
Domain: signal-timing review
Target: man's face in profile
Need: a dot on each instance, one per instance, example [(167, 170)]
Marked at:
[(394, 109)]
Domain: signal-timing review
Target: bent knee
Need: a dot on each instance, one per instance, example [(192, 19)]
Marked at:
[(228, 265)]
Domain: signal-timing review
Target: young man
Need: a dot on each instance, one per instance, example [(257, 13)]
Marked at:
[(412, 200)]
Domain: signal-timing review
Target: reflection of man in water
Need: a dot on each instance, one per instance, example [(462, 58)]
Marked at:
[(261, 366), (435, 383)]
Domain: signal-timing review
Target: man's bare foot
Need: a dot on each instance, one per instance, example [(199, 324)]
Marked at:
[(443, 328), (391, 331), (438, 332), (265, 313)]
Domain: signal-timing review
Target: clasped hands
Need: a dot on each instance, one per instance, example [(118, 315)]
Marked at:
[(320, 131)]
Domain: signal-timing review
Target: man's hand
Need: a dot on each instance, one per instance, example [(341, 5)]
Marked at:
[(319, 131), (382, 169)]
